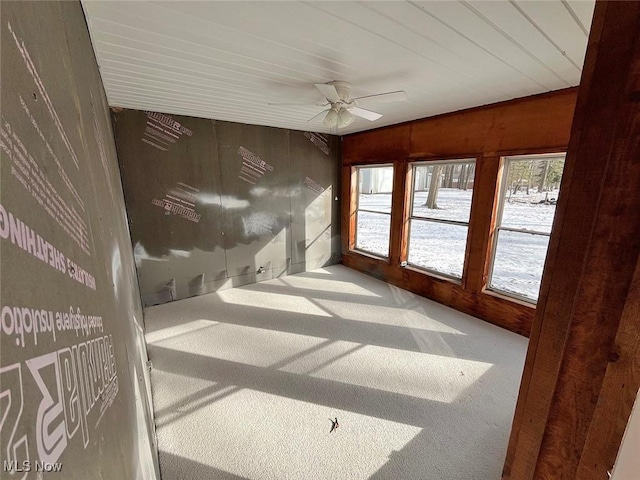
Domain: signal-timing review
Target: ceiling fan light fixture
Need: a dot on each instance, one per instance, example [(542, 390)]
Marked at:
[(344, 118), (343, 110), (331, 118)]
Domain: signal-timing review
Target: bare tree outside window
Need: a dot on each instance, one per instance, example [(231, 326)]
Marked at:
[(530, 188), (439, 222)]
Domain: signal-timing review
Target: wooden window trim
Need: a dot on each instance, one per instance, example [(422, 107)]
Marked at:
[(409, 203), (355, 208), (496, 223)]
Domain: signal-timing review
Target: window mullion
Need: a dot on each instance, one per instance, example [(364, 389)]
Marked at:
[(524, 230), (373, 211), (441, 220)]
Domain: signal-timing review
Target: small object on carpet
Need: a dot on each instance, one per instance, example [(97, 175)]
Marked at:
[(334, 425)]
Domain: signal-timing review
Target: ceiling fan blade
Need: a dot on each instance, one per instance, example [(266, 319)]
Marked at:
[(316, 116), (397, 96), (298, 104), (329, 91), (368, 114)]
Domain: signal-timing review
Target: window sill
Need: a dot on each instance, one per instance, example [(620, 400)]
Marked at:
[(373, 256), (509, 298), (432, 274)]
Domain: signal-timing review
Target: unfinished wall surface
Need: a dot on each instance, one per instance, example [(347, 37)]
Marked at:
[(211, 202), (73, 380)]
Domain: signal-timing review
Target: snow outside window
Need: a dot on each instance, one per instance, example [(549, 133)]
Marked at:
[(373, 216), (439, 223), (528, 196)]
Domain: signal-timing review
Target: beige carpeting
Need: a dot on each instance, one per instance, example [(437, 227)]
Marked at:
[(246, 380)]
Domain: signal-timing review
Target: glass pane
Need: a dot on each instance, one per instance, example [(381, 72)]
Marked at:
[(530, 192), (518, 263), (443, 190), (438, 246), (374, 188), (372, 233)]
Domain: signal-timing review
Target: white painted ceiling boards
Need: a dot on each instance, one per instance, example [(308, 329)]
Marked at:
[(228, 60)]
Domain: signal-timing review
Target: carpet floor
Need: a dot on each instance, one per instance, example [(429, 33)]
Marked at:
[(246, 383)]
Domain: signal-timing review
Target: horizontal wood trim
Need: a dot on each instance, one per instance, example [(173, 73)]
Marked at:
[(525, 125), (541, 121), (377, 146), (501, 312)]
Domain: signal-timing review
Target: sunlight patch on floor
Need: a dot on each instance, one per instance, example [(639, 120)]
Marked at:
[(272, 301), (431, 377), (178, 330), (249, 345), (385, 315), (322, 285), (294, 431)]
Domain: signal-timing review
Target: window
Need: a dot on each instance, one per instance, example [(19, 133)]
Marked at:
[(373, 215), (439, 222), (529, 191)]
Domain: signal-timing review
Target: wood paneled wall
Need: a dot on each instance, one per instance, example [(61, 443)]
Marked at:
[(537, 124), (582, 370)]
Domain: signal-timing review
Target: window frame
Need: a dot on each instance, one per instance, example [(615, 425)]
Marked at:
[(411, 217), (355, 248), (497, 224)]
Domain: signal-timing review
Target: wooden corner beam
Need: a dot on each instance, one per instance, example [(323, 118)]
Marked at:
[(581, 372)]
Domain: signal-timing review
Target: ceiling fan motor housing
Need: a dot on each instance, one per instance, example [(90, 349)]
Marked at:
[(342, 88)]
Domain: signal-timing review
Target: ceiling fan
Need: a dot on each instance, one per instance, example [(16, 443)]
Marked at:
[(342, 109)]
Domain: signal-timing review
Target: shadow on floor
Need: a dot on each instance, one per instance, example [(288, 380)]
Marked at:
[(335, 328), (461, 439), (174, 467)]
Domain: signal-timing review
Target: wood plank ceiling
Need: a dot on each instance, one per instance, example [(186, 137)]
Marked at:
[(228, 60)]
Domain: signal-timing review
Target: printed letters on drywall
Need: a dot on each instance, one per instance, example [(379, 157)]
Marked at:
[(253, 167), (72, 382), (314, 186), (21, 235), (319, 141), (162, 131), (180, 200), (58, 369)]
